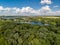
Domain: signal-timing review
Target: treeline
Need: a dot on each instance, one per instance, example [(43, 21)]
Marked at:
[(12, 33)]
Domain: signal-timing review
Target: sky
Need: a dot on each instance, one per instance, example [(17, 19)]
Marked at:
[(29, 7)]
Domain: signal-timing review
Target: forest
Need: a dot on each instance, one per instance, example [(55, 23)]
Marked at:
[(14, 33)]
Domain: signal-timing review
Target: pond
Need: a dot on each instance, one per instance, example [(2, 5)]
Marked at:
[(36, 23), (33, 23)]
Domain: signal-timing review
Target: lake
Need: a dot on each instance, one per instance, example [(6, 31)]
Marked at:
[(34, 23)]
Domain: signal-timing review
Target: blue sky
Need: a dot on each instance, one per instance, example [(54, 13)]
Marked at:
[(21, 3), (36, 5), (24, 3)]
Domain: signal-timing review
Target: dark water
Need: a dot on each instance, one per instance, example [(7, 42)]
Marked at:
[(36, 23)]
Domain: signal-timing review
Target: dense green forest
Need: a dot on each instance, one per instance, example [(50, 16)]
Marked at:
[(12, 33)]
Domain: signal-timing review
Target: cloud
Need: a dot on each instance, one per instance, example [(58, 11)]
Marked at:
[(18, 11), (45, 9), (54, 13), (1, 8), (46, 2), (27, 11)]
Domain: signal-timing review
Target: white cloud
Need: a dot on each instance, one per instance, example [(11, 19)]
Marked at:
[(54, 13), (1, 8), (29, 10), (46, 2), (45, 10), (18, 11)]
